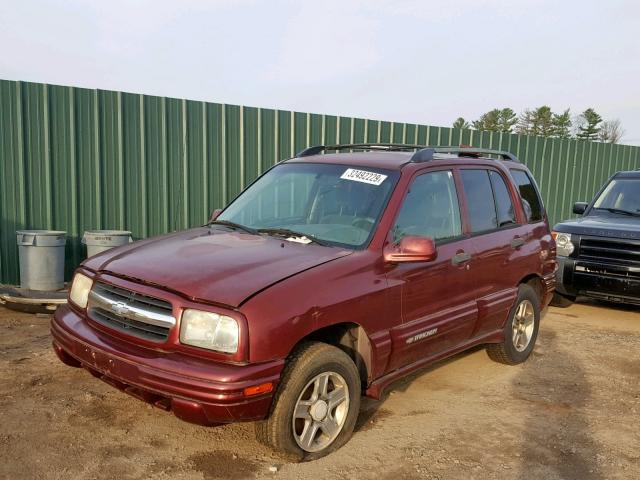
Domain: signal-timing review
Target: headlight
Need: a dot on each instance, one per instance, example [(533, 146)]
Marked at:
[(209, 330), (564, 247), (80, 288)]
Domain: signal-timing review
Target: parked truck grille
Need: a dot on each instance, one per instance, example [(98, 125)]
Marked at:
[(130, 312), (609, 257)]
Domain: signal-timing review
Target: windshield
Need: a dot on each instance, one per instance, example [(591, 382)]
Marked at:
[(334, 204), (622, 194)]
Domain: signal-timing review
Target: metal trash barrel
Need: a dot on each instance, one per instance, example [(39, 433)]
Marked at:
[(101, 240), (41, 255)]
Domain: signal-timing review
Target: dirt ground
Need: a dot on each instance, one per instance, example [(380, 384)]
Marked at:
[(571, 411)]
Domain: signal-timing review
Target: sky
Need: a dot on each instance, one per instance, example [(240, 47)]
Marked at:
[(411, 61)]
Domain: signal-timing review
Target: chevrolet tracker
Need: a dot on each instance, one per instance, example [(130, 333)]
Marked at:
[(329, 277), (599, 253)]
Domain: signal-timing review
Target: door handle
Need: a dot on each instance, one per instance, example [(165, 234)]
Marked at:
[(517, 242), (461, 258)]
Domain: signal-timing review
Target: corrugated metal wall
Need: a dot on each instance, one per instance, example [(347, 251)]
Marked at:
[(75, 159)]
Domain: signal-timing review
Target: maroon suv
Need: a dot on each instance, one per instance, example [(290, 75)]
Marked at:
[(331, 276)]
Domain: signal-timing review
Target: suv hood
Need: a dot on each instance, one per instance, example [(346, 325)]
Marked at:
[(215, 265), (614, 226)]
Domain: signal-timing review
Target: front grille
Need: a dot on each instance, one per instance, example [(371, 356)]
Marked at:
[(130, 312), (610, 257), (610, 251)]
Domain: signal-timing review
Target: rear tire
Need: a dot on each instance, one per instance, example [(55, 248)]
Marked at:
[(562, 301), (520, 331), (316, 405)]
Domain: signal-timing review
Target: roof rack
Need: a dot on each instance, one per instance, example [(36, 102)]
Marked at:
[(427, 153), (388, 147), (424, 153)]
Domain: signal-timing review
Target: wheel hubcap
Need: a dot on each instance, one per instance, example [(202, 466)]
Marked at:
[(523, 325), (321, 411)]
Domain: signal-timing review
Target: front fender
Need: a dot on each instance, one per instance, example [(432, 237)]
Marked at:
[(352, 289)]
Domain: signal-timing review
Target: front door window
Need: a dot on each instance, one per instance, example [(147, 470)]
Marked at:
[(430, 209)]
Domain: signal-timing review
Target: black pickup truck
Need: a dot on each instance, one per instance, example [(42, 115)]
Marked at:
[(599, 253)]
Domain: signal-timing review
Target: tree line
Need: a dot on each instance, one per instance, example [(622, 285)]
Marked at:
[(542, 121)]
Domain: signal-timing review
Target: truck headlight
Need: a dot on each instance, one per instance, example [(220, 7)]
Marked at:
[(80, 288), (564, 246), (209, 330)]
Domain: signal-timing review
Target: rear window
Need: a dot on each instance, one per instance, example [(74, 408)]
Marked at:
[(529, 194)]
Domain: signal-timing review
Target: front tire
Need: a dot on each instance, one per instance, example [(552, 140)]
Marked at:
[(316, 405), (520, 331)]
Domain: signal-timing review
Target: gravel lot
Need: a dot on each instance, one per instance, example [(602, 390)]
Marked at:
[(572, 411)]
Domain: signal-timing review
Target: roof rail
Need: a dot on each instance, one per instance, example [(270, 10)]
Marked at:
[(389, 147), (424, 153), (427, 153)]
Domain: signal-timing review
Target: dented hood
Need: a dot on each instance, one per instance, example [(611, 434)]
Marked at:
[(213, 264)]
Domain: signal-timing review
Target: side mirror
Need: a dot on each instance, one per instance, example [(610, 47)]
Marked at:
[(411, 249), (215, 214), (580, 207)]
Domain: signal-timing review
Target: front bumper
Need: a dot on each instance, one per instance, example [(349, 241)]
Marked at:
[(196, 390), (575, 278)]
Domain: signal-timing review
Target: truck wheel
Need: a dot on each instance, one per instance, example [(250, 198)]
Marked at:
[(316, 405), (562, 301), (520, 331)]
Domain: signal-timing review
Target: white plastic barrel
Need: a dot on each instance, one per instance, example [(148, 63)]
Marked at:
[(101, 240)]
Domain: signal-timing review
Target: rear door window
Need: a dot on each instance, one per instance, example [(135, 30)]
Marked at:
[(504, 203), (479, 193), (529, 194)]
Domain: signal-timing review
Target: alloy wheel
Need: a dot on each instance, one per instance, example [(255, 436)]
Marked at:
[(523, 325), (320, 411)]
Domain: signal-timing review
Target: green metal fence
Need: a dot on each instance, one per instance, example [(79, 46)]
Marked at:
[(75, 159)]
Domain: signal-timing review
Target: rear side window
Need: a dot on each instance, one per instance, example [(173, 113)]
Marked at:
[(482, 210), (504, 204), (529, 193)]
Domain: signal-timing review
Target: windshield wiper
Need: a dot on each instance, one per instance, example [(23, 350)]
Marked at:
[(235, 225), (620, 211), (291, 233)]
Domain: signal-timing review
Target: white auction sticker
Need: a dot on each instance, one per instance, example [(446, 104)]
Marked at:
[(363, 176)]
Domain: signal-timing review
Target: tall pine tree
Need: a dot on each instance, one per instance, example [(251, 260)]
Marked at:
[(461, 123), (536, 122), (561, 124), (589, 125), (496, 120)]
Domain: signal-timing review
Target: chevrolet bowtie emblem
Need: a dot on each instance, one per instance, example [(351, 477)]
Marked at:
[(121, 308)]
